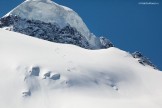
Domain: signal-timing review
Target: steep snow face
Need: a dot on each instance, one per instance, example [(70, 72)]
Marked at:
[(48, 11), (39, 74)]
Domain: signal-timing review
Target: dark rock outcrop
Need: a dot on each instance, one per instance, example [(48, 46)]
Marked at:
[(49, 31), (142, 59)]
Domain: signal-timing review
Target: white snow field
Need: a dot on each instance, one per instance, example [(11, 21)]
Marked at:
[(39, 74)]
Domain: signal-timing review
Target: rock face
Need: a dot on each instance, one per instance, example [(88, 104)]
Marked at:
[(46, 31), (47, 20), (105, 43), (142, 59)]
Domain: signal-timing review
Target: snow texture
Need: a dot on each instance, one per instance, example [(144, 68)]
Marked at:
[(41, 74)]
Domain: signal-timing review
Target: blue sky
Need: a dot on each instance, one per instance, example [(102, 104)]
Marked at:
[(129, 25)]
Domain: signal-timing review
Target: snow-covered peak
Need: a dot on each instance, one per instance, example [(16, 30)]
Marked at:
[(50, 12), (38, 0)]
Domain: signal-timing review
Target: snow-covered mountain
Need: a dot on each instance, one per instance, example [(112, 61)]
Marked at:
[(36, 73), (47, 20), (39, 74), (50, 21)]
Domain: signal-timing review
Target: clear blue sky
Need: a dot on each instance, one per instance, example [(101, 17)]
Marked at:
[(130, 26)]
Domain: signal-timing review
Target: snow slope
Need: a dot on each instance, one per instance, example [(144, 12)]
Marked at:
[(39, 74)]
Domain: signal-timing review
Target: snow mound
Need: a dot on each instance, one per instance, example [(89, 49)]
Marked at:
[(34, 71), (55, 76)]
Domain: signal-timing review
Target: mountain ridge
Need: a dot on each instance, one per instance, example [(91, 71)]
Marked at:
[(57, 15), (22, 19)]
